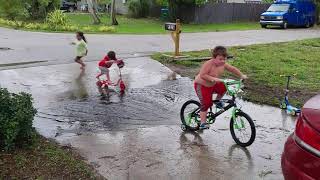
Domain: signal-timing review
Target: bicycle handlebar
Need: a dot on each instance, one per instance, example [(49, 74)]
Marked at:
[(233, 82)]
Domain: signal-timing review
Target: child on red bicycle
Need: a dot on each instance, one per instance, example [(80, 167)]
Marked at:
[(105, 64), (208, 81)]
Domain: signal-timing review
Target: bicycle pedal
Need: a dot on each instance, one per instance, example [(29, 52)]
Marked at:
[(202, 128)]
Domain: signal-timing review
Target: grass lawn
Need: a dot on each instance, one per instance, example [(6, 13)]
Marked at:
[(155, 26), (44, 160), (264, 64)]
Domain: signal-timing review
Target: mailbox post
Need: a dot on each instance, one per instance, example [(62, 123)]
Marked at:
[(175, 29)]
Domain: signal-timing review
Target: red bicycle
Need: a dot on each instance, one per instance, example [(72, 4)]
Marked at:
[(103, 85)]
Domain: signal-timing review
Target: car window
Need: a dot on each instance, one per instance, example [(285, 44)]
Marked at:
[(278, 8)]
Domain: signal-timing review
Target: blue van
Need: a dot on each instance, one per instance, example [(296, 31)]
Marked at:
[(286, 13)]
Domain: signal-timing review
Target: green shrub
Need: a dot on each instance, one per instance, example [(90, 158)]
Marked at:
[(106, 29), (27, 9), (57, 18), (139, 8), (33, 26), (72, 28), (87, 28), (44, 26), (38, 9), (50, 27), (13, 9), (16, 116)]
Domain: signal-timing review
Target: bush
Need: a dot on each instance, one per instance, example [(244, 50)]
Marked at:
[(57, 18), (139, 8), (106, 29), (13, 9), (87, 28), (50, 27), (16, 116), (38, 9), (33, 26), (69, 28), (27, 9)]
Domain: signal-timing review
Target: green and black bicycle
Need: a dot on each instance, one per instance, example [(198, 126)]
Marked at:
[(240, 123)]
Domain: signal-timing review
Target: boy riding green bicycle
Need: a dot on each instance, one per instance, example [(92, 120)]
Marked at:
[(208, 81)]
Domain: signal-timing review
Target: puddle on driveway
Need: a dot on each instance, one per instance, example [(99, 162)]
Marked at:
[(5, 49), (138, 136)]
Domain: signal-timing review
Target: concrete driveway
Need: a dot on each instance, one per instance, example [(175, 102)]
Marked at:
[(138, 136)]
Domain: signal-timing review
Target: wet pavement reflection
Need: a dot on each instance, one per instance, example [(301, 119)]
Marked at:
[(138, 135)]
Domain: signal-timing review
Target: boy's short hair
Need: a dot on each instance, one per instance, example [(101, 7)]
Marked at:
[(219, 51), (112, 55)]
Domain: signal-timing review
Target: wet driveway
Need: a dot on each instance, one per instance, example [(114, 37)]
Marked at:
[(138, 135)]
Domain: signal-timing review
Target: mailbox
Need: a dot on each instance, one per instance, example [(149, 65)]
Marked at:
[(170, 26)]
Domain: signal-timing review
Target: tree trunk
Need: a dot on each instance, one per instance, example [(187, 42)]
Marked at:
[(92, 7), (113, 13), (173, 10)]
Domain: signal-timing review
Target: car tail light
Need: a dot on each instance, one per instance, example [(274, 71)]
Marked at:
[(307, 137)]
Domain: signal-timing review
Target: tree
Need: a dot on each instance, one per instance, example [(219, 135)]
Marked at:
[(139, 8), (38, 9), (176, 6), (318, 11), (27, 9), (13, 9), (113, 13), (92, 7)]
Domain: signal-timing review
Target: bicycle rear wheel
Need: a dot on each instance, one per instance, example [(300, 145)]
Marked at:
[(239, 127), (190, 116)]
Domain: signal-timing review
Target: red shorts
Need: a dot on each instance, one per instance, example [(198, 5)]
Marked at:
[(205, 94)]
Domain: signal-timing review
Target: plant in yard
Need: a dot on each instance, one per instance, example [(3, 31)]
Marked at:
[(87, 28), (72, 28), (33, 26), (13, 9), (175, 6), (16, 117), (44, 26), (38, 9), (106, 29), (18, 24), (318, 11), (57, 18), (27, 9), (139, 8)]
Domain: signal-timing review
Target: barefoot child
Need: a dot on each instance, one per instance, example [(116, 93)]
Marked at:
[(105, 64), (81, 48), (207, 81)]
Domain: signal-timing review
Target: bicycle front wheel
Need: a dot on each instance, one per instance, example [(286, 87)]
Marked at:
[(190, 116), (242, 129)]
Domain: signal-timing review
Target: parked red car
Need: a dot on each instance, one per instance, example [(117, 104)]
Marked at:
[(301, 155)]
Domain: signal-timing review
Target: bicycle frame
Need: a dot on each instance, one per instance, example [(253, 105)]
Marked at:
[(116, 83), (231, 104)]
